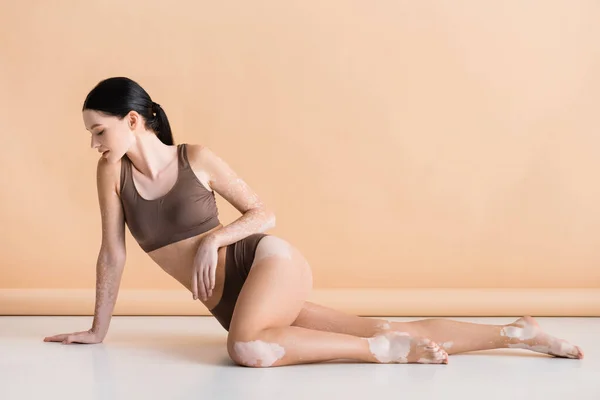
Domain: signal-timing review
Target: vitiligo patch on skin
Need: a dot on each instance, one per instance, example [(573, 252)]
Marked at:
[(558, 348), (277, 247), (538, 348), (447, 345), (530, 336), (395, 347), (222, 179), (516, 332), (258, 353), (388, 349), (235, 186), (385, 325)]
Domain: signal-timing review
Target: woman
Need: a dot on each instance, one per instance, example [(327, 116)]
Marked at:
[(256, 285)]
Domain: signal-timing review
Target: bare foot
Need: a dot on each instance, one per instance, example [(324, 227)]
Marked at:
[(401, 348), (525, 333)]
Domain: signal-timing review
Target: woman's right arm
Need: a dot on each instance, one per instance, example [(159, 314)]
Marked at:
[(112, 255), (111, 258)]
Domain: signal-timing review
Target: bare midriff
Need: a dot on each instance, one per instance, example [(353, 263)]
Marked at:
[(177, 260)]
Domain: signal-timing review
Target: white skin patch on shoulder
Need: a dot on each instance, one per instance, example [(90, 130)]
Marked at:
[(258, 353)]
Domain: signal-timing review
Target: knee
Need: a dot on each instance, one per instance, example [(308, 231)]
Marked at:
[(250, 351)]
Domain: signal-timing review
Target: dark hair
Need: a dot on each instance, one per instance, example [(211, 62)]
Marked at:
[(119, 95)]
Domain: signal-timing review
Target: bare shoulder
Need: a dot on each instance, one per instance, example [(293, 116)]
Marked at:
[(111, 210), (216, 172), (195, 152), (108, 175), (199, 158)]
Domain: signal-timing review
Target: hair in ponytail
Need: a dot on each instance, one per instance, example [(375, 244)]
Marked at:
[(119, 95)]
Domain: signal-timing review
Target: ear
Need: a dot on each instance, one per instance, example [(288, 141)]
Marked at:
[(133, 120)]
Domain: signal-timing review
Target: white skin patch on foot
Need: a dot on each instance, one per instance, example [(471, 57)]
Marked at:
[(538, 348), (528, 335), (387, 351), (560, 348), (258, 353), (515, 332)]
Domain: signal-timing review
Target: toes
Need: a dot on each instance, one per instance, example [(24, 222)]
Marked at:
[(578, 353), (443, 358), (571, 351), (432, 353), (567, 350), (439, 357)]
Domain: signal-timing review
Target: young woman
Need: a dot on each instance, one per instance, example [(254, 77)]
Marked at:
[(255, 284)]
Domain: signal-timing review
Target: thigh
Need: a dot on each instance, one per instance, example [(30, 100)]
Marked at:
[(275, 291)]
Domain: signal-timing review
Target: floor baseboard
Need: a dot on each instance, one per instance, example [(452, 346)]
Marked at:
[(365, 302)]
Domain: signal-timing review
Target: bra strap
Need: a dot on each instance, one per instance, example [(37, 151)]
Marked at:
[(125, 169), (183, 160)]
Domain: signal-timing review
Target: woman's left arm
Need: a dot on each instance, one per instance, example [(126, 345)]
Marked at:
[(256, 217)]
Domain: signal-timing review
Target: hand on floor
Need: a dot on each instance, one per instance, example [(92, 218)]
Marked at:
[(84, 337)]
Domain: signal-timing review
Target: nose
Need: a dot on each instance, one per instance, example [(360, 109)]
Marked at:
[(94, 143)]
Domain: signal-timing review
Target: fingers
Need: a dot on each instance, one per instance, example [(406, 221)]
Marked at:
[(69, 339), (203, 282), (199, 287), (198, 284), (77, 339), (56, 338), (213, 279), (66, 338), (206, 281), (202, 285), (195, 285)]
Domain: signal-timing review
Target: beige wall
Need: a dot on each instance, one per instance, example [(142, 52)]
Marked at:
[(403, 145)]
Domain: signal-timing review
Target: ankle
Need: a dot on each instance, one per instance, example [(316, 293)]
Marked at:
[(511, 334)]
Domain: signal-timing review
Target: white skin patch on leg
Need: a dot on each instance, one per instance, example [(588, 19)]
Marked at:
[(447, 345), (387, 351), (385, 325), (258, 353), (515, 332), (275, 247)]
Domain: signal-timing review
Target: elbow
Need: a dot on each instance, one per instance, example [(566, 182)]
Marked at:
[(270, 220), (112, 258)]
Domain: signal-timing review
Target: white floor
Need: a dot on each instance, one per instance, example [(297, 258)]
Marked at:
[(186, 358)]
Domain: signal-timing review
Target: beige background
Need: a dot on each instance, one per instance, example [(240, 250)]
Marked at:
[(417, 152)]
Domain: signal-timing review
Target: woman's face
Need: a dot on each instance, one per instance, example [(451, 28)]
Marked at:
[(110, 135)]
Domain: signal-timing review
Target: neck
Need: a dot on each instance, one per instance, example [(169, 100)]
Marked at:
[(150, 156)]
